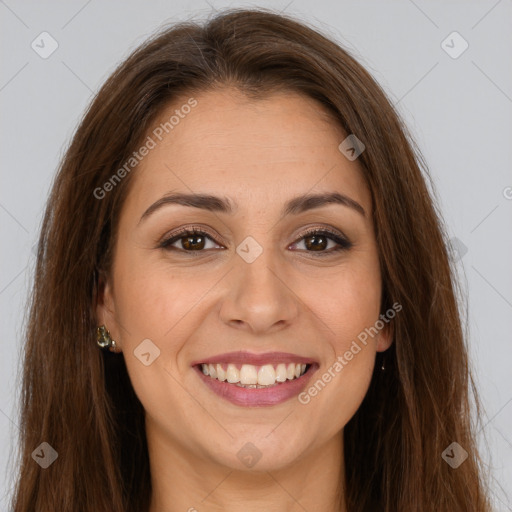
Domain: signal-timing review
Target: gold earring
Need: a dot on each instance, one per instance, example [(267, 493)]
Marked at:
[(104, 340)]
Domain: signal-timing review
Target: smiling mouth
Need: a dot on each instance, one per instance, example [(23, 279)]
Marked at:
[(254, 377)]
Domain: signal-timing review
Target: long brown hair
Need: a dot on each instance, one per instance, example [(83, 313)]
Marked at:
[(80, 400)]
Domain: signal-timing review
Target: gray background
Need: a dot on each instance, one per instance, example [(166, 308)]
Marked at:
[(458, 109)]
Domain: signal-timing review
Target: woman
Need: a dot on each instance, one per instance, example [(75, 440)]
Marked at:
[(243, 299)]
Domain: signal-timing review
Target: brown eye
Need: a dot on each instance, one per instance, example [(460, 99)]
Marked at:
[(191, 240), (315, 241), (318, 241)]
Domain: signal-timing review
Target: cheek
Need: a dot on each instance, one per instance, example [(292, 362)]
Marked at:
[(152, 305), (346, 300), (150, 299), (348, 303), (144, 305)]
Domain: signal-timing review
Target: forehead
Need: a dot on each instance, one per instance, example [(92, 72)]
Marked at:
[(257, 151)]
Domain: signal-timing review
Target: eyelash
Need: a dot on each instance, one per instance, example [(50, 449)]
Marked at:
[(343, 243)]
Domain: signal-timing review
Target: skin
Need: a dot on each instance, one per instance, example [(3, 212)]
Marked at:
[(259, 153)]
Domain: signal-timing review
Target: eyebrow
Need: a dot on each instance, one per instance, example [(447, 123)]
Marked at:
[(294, 206)]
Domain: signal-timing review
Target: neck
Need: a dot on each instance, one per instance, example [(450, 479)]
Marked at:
[(183, 481)]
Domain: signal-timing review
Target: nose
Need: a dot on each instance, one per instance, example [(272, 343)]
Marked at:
[(260, 296)]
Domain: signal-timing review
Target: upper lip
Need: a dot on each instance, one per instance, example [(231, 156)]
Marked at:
[(244, 357)]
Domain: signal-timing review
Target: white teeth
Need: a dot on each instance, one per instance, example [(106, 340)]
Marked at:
[(252, 376), (232, 375), (248, 374), (281, 372), (266, 375), (221, 373)]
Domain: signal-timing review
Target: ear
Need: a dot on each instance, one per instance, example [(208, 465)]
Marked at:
[(385, 337), (105, 309)]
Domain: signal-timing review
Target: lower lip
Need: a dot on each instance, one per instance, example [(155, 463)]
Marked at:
[(254, 397)]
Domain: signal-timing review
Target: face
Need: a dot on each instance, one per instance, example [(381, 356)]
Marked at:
[(267, 282)]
